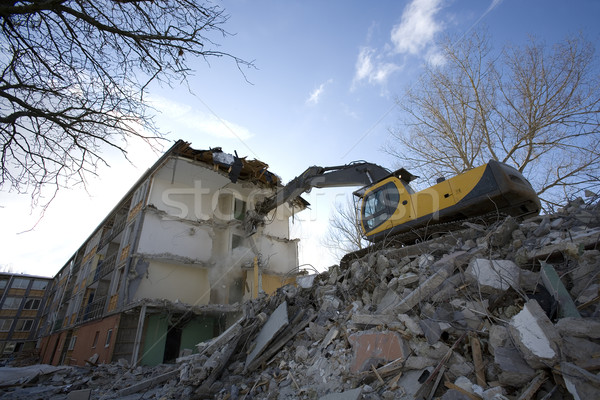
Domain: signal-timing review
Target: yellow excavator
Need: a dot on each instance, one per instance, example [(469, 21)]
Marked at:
[(389, 207)]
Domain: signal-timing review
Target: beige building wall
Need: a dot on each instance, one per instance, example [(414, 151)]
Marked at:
[(175, 282)]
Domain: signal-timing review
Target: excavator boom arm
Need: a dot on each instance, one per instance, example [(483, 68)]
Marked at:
[(355, 174)]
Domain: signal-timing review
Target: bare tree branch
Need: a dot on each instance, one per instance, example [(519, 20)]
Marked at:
[(344, 233), (533, 107), (73, 74)]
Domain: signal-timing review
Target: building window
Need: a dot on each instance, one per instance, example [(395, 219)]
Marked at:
[(23, 325), (72, 343), (5, 325), (39, 285), (3, 283), (20, 283), (95, 339), (11, 303), (239, 209), (32, 304), (108, 336), (10, 347)]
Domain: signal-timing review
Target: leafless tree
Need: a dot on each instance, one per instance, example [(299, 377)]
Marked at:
[(344, 233), (533, 107), (73, 75)]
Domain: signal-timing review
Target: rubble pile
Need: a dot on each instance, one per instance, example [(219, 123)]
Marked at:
[(505, 310)]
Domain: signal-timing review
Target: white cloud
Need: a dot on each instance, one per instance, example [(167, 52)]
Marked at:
[(315, 96), (435, 57), (364, 65), (417, 27), (371, 68)]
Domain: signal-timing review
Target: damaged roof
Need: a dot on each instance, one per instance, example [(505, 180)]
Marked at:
[(236, 167)]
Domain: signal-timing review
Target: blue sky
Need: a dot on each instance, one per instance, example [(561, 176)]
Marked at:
[(322, 93)]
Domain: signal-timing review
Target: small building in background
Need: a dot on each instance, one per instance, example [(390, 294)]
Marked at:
[(22, 301), (171, 264)]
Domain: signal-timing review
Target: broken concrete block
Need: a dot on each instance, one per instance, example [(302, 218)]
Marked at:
[(494, 393), (411, 381), (497, 337), (331, 335), (535, 336), (374, 319), (579, 350), (579, 327), (529, 280), (306, 281), (514, 371), (419, 363), (315, 331), (580, 383), (588, 294), (353, 394), (503, 234), (388, 302), (382, 266), (544, 227), (493, 276), (407, 279), (585, 274), (301, 353), (148, 383), (410, 324), (373, 347), (423, 349), (458, 365), (431, 329), (276, 322), (444, 267)]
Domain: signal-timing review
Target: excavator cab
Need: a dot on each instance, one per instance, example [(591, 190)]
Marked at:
[(387, 202)]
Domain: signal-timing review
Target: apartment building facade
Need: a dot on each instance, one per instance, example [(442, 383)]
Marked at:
[(171, 264), (22, 301)]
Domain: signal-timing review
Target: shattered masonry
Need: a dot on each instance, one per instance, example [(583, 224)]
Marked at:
[(477, 314)]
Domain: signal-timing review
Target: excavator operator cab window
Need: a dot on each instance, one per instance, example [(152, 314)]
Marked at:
[(379, 205)]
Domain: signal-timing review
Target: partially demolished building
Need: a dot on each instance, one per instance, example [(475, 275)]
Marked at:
[(171, 264)]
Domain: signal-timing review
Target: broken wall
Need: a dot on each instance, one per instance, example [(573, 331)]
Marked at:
[(164, 237), (194, 218)]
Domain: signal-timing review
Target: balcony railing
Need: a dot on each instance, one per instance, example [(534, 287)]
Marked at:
[(105, 266), (117, 228), (92, 310)]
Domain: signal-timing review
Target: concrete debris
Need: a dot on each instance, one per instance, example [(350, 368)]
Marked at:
[(535, 336), (505, 311), (277, 321)]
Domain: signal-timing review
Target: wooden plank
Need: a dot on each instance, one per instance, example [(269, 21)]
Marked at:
[(470, 395), (533, 386), (478, 360)]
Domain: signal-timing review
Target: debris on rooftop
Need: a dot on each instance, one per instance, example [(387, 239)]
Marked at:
[(504, 311)]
